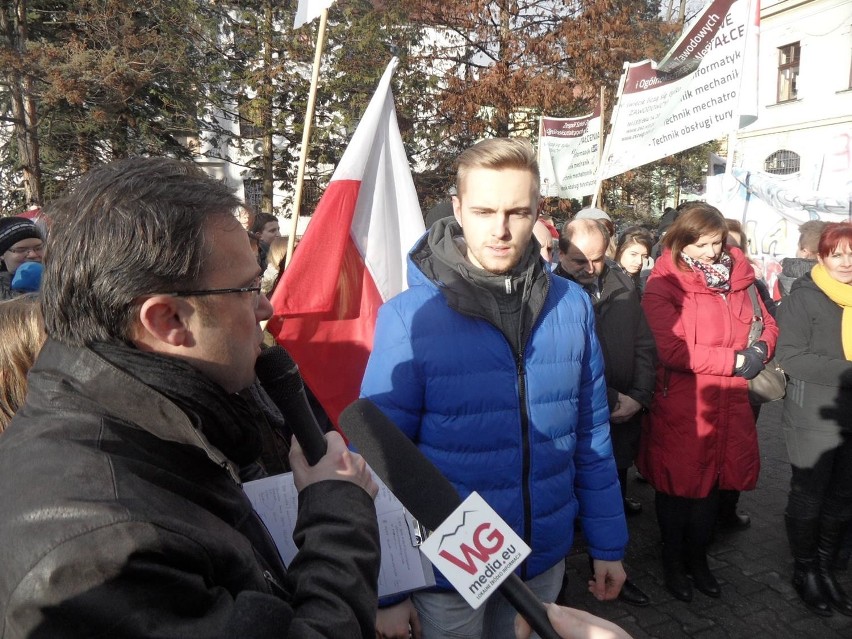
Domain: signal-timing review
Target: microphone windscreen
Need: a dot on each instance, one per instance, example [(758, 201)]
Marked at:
[(409, 475), (277, 372)]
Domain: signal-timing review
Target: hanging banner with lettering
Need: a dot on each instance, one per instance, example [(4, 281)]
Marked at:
[(771, 208), (568, 153), (693, 96)]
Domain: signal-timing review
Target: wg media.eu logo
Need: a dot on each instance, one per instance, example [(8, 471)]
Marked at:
[(475, 550)]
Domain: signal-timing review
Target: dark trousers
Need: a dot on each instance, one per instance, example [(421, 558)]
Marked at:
[(824, 490), (684, 522)]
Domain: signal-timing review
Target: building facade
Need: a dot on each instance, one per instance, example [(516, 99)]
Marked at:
[(804, 124)]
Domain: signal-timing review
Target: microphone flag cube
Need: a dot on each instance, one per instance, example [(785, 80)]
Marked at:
[(475, 550)]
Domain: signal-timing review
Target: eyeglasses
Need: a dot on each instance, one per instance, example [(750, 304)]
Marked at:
[(254, 289), (26, 249)]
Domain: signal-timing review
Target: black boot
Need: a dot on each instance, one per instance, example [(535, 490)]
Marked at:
[(672, 516), (802, 535), (674, 573), (633, 595), (831, 534), (700, 571), (630, 592)]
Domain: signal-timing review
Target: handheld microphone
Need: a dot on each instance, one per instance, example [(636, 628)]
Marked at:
[(424, 491), (279, 376)]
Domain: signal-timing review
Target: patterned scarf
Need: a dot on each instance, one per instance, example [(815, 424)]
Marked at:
[(840, 294), (716, 275)]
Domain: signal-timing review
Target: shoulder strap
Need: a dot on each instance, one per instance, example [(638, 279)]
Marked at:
[(752, 293)]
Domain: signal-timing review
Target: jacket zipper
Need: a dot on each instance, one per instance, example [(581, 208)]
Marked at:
[(275, 585), (525, 429), (525, 455), (720, 453)]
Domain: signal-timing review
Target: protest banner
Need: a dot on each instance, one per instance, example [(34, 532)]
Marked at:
[(568, 154), (771, 208), (693, 96)]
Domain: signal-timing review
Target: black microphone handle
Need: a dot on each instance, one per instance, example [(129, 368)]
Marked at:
[(525, 602), (279, 375), (300, 418)]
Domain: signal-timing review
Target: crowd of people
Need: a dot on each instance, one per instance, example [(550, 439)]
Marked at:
[(535, 372)]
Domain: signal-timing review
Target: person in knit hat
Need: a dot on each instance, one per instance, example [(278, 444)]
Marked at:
[(20, 242)]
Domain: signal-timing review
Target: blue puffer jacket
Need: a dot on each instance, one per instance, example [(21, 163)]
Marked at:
[(531, 437)]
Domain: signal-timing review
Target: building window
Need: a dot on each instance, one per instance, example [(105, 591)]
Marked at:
[(788, 72), (782, 163)]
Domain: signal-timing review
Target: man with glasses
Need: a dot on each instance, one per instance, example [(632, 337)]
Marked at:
[(123, 512), (20, 242)]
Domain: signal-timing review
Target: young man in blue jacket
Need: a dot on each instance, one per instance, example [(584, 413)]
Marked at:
[(492, 367)]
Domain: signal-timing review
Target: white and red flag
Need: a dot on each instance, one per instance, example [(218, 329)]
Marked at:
[(351, 259), (308, 10)]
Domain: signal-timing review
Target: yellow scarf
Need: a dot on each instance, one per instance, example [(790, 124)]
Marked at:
[(840, 294)]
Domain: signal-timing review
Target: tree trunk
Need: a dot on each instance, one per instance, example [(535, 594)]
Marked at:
[(501, 112), (266, 94), (13, 22)]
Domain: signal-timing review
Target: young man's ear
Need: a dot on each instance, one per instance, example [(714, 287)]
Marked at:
[(457, 209)]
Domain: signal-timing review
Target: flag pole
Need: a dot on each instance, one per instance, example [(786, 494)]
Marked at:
[(598, 191), (306, 136)]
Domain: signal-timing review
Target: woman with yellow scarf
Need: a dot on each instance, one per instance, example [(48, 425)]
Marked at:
[(815, 349)]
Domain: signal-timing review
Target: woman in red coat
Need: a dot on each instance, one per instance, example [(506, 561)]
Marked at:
[(700, 434)]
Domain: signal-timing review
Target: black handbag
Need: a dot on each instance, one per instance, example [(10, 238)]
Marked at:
[(771, 383)]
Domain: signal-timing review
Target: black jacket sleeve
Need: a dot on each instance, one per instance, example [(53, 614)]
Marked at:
[(334, 576), (644, 363)]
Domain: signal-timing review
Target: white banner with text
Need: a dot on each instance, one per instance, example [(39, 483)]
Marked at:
[(568, 153), (692, 97)]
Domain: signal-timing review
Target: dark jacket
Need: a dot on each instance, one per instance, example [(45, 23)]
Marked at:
[(6, 285), (626, 340), (818, 404), (121, 519), (629, 352), (526, 428), (701, 428)]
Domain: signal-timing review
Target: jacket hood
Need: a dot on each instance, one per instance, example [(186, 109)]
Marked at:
[(742, 274), (439, 257), (796, 267), (510, 301)]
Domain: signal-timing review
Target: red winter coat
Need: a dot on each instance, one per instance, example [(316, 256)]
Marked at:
[(701, 428)]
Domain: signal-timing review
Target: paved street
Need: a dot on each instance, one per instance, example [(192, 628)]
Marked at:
[(754, 568)]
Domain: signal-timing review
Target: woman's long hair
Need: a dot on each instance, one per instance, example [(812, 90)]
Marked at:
[(21, 338)]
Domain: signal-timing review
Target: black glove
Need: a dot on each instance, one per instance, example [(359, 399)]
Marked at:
[(752, 363), (762, 349)]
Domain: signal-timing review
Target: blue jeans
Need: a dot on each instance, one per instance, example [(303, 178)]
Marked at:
[(448, 615)]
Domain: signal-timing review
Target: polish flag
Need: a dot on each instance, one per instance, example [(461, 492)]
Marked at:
[(351, 259)]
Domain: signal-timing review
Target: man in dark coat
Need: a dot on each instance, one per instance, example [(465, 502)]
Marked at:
[(123, 512), (627, 344)]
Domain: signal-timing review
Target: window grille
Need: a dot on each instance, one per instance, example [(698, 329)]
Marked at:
[(782, 163)]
